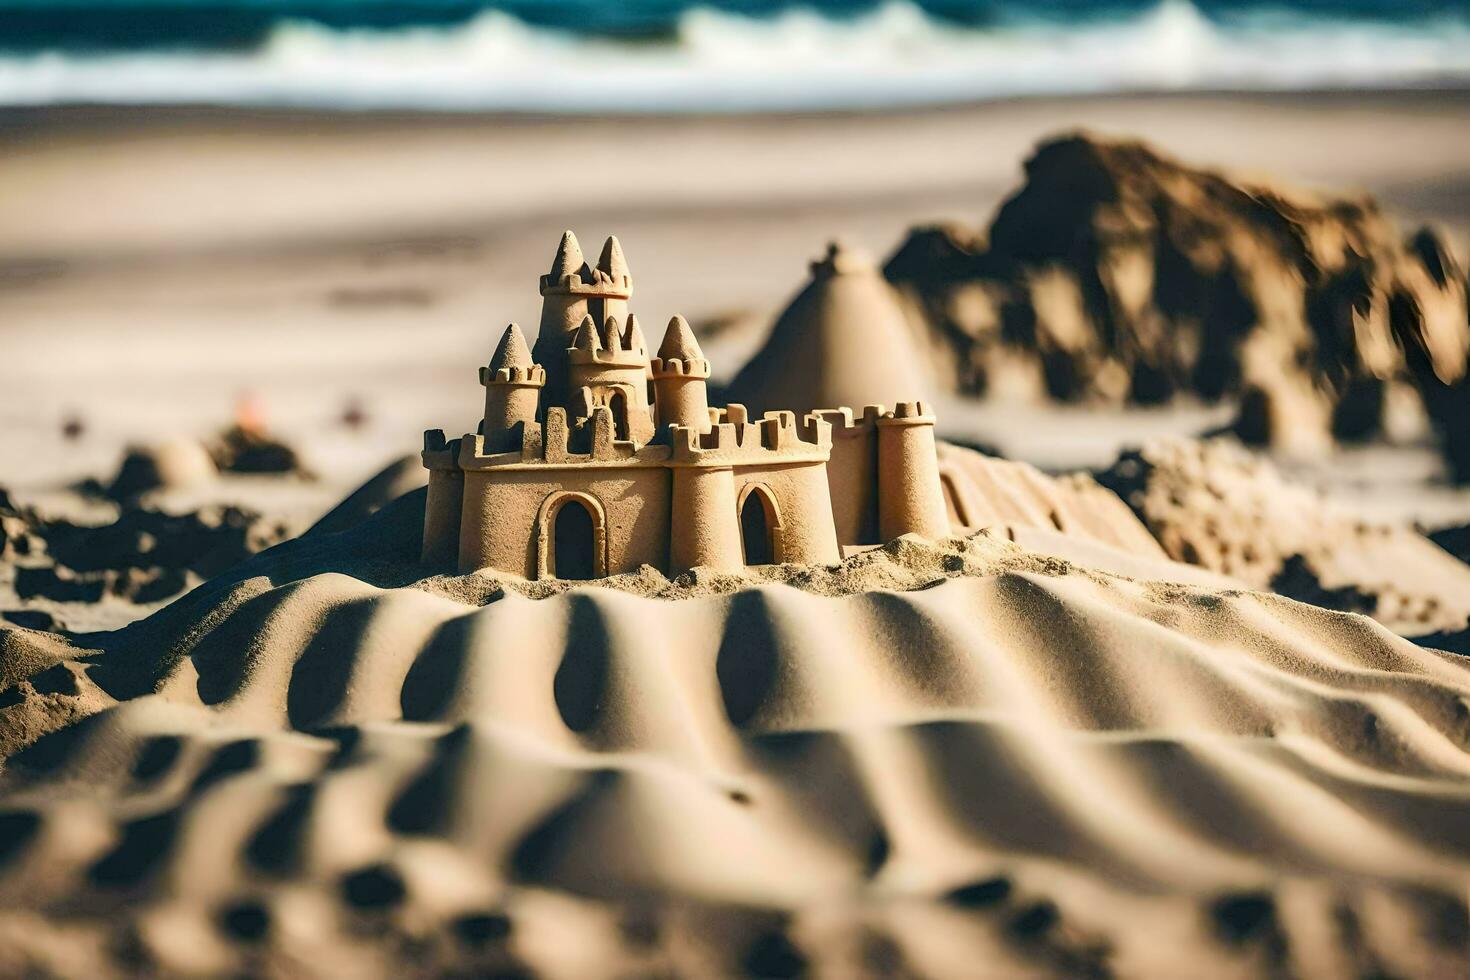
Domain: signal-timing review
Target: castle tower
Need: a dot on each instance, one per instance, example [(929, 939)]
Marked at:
[(512, 390), (569, 292), (610, 365), (679, 375), (910, 496), (704, 527)]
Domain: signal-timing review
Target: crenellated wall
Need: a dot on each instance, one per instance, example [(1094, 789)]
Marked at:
[(852, 471)]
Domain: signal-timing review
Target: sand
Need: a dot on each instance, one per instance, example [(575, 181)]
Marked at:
[(936, 759), (1045, 747)]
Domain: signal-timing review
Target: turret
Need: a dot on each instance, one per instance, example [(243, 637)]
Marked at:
[(444, 501), (512, 390), (910, 495), (571, 291), (680, 373), (608, 367)]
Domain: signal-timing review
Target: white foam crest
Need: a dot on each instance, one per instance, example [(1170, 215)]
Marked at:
[(800, 60)]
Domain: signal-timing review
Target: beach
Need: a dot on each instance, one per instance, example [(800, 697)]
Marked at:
[(1191, 710), (285, 254)]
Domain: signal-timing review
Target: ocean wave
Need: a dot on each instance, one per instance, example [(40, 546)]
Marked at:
[(717, 61)]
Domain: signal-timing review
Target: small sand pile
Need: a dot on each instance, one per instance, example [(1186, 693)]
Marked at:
[(930, 756), (242, 449), (172, 464), (1216, 505), (1117, 274)]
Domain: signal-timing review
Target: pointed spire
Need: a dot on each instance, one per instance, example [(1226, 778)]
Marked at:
[(679, 342), (612, 262), (612, 337), (568, 259), (512, 351), (587, 339), (633, 337)]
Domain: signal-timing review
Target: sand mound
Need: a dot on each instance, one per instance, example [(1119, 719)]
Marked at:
[(1215, 505), (844, 340), (929, 757), (1118, 274)]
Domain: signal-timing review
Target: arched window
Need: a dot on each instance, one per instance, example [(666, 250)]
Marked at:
[(760, 526), (618, 403), (571, 537)]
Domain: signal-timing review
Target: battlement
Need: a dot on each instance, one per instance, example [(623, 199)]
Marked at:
[(847, 424), (587, 283), (608, 346), (733, 439), (563, 441), (674, 367), (531, 377), (908, 413), (440, 453)]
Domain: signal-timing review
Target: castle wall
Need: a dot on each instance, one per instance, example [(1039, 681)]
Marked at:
[(503, 507), (807, 533), (852, 474)]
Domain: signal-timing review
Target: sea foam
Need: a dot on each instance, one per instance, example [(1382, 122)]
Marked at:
[(714, 61)]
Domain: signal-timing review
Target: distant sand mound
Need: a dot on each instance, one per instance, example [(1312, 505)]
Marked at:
[(320, 764), (1118, 274), (843, 341)]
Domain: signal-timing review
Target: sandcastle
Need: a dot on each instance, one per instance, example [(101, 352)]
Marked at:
[(579, 470)]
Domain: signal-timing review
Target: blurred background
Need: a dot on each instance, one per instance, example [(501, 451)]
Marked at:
[(315, 216)]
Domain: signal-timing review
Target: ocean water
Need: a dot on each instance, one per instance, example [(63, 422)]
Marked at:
[(676, 55)]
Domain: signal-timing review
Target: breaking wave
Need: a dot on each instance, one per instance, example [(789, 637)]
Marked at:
[(716, 61)]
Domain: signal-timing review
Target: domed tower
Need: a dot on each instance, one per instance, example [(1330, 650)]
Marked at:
[(680, 373), (570, 292), (512, 389), (610, 365)]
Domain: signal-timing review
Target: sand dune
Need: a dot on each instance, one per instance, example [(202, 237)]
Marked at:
[(953, 760)]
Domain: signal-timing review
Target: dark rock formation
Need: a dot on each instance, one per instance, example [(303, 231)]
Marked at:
[(1117, 274), (144, 555)]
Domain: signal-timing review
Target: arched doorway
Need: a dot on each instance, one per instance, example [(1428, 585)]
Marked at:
[(572, 555), (760, 526), (571, 537)]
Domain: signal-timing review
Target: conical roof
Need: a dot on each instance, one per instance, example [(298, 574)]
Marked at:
[(844, 340), (512, 351), (612, 263), (679, 342), (568, 258), (633, 338), (586, 339)]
